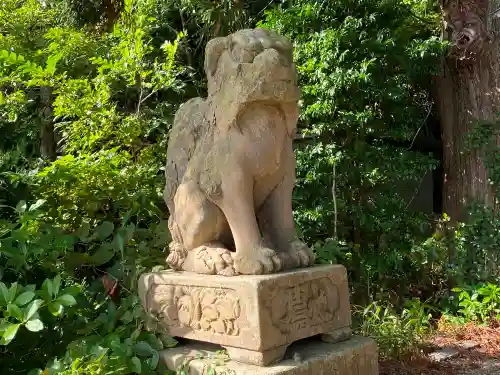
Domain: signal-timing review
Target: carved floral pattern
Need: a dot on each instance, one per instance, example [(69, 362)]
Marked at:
[(201, 309), (304, 305)]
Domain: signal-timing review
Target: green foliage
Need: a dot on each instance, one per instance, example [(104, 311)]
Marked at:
[(21, 306), (476, 242), (478, 303), (483, 140), (398, 335), (92, 220), (32, 248), (466, 253)]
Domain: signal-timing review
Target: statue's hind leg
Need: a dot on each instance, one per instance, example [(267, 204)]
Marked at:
[(201, 234)]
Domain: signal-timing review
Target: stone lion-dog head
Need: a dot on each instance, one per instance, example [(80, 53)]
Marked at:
[(251, 65)]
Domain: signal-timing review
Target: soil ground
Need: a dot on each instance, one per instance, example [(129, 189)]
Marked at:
[(484, 359)]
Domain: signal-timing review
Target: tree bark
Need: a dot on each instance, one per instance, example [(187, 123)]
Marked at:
[(467, 93), (47, 133)]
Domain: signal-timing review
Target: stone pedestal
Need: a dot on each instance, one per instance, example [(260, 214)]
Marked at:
[(356, 356), (254, 317)]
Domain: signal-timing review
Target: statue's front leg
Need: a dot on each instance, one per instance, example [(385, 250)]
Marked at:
[(276, 220), (236, 202)]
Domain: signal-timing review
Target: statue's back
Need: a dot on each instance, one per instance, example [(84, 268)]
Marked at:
[(190, 125)]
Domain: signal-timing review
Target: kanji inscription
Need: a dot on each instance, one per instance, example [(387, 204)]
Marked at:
[(304, 305)]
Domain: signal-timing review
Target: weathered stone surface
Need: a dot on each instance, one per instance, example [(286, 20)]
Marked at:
[(443, 354), (230, 166), (255, 317), (468, 345), (338, 335), (356, 356)]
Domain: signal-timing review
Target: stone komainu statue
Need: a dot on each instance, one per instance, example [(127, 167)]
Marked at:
[(230, 164)]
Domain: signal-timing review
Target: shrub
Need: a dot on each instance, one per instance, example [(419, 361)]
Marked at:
[(478, 304), (398, 335)]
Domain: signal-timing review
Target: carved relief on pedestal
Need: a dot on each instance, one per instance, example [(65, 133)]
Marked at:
[(304, 305), (209, 310)]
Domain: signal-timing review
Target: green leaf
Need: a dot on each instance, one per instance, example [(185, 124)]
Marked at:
[(47, 288), (34, 325), (112, 340), (24, 298), (4, 324), (153, 361), (143, 349), (12, 292), (134, 335), (5, 293), (83, 231), (21, 207), (73, 290), (127, 317), (56, 285), (9, 334), (55, 308), (135, 365), (168, 341), (15, 311), (120, 242), (32, 309), (52, 62), (97, 351), (154, 341), (103, 255), (119, 349), (67, 300), (104, 230), (55, 366), (39, 203)]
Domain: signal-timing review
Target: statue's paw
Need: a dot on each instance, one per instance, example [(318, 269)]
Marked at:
[(176, 256), (228, 272), (209, 259), (301, 254), (256, 261)]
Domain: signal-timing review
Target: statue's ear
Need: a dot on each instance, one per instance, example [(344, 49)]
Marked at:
[(213, 51)]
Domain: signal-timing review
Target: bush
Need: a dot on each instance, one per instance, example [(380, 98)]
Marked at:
[(398, 335), (478, 303), (92, 220)]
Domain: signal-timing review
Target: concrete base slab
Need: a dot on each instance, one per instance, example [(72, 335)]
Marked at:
[(356, 356)]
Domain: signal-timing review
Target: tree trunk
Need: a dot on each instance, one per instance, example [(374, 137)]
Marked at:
[(467, 93), (47, 133)]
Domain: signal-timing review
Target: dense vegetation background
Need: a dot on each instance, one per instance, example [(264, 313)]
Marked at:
[(88, 90)]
